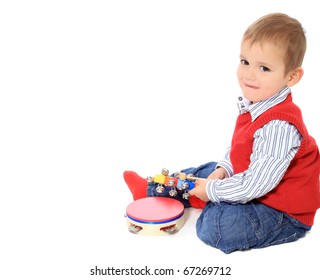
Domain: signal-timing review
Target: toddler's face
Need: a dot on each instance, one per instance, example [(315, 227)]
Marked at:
[(261, 71)]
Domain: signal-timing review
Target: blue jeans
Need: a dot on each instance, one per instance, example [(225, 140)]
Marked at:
[(232, 227)]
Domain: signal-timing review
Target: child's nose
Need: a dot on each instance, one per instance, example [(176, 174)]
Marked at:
[(249, 74)]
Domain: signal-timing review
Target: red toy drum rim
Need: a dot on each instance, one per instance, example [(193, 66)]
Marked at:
[(155, 210)]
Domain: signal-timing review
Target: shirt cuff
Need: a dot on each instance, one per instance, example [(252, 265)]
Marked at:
[(210, 189)]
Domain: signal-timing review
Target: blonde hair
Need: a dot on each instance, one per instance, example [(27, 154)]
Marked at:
[(282, 31)]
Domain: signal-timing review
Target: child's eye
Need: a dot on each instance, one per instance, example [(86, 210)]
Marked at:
[(244, 62), (264, 69)]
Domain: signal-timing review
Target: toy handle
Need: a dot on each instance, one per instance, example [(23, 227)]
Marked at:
[(191, 177)]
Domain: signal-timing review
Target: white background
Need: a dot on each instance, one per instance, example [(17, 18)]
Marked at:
[(92, 88)]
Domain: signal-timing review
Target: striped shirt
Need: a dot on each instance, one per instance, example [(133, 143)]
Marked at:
[(275, 145)]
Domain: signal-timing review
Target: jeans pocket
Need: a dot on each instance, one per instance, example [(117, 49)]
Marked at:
[(263, 219), (271, 227)]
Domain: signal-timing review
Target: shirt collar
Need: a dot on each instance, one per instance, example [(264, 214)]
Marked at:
[(257, 109)]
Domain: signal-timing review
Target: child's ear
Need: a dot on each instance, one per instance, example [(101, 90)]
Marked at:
[(295, 76)]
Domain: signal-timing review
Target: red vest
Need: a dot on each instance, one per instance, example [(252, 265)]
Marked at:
[(298, 193)]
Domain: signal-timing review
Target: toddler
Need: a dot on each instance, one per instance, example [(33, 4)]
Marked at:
[(266, 189)]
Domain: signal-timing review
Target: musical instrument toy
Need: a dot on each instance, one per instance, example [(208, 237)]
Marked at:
[(180, 181), (155, 216)]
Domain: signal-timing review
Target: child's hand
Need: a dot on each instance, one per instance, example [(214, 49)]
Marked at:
[(200, 184), (220, 173), (200, 189)]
